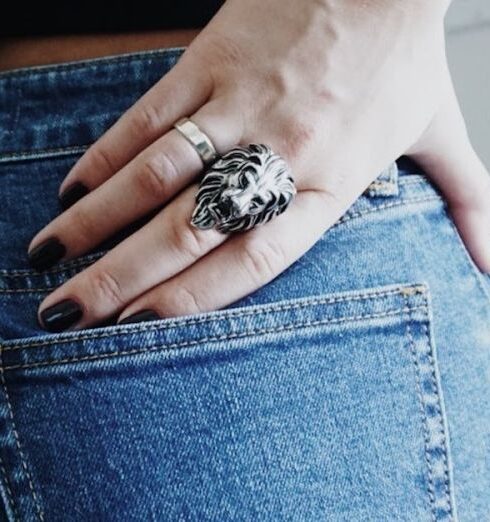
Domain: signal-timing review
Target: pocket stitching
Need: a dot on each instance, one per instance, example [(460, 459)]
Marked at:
[(183, 344), (219, 315), (17, 443), (67, 265), (10, 496), (434, 433)]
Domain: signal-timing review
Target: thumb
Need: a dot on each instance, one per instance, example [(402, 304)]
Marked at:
[(447, 156)]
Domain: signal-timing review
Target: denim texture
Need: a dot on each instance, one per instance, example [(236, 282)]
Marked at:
[(355, 386)]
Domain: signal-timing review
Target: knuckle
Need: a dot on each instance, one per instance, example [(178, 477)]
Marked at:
[(181, 301), (148, 118), (293, 135), (189, 240), (156, 175), (262, 259), (83, 228), (329, 197), (296, 136), (102, 160), (107, 288), (326, 203)]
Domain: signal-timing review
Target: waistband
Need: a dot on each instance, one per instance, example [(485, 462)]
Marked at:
[(61, 109)]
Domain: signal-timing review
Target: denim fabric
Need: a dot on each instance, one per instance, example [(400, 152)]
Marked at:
[(353, 387)]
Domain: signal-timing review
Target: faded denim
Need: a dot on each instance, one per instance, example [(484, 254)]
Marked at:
[(353, 387)]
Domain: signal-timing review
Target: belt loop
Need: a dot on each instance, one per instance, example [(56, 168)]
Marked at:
[(386, 184)]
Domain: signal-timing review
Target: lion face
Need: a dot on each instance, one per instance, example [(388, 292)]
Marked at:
[(247, 186)]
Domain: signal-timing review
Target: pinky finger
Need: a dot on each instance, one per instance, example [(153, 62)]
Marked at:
[(244, 263)]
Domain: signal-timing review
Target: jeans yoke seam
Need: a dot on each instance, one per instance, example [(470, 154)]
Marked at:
[(67, 265), (25, 155), (166, 347), (231, 313)]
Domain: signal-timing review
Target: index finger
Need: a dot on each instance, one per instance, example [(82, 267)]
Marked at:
[(182, 90)]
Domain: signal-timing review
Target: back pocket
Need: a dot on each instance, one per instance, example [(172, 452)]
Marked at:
[(317, 408)]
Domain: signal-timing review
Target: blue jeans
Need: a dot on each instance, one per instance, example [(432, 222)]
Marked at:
[(353, 387)]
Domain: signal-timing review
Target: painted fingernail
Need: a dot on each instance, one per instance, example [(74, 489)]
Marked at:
[(46, 254), (60, 316), (72, 194), (143, 315)]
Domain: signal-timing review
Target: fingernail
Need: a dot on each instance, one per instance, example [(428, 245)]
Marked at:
[(143, 315), (72, 194), (60, 316), (46, 254)]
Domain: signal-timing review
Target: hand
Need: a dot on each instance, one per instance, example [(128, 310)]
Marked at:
[(338, 88)]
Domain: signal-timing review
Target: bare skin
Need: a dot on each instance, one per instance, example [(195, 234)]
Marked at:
[(340, 89), (43, 50)]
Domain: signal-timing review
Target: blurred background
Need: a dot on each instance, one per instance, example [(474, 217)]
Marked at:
[(468, 48)]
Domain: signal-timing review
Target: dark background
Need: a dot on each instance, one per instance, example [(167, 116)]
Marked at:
[(48, 18)]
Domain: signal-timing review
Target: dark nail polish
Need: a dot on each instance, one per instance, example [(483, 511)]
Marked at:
[(60, 316), (72, 194), (143, 315), (46, 254)]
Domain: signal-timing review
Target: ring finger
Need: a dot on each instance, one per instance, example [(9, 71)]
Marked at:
[(167, 244)]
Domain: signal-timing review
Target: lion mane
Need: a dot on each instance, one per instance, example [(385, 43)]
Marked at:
[(247, 186)]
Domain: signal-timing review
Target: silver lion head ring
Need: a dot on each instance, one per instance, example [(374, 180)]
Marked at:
[(245, 187)]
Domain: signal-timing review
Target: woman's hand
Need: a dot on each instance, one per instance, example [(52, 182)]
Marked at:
[(340, 89)]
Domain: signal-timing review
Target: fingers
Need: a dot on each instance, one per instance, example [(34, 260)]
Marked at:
[(149, 180), (449, 159), (181, 91), (164, 246), (242, 264), (168, 245)]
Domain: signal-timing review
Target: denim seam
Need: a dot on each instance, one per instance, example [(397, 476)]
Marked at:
[(64, 267), (269, 308), (28, 72), (436, 379), (397, 203), (412, 179), (17, 442), (10, 496), (430, 486), (35, 154), (426, 399), (17, 273), (167, 347), (443, 428)]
